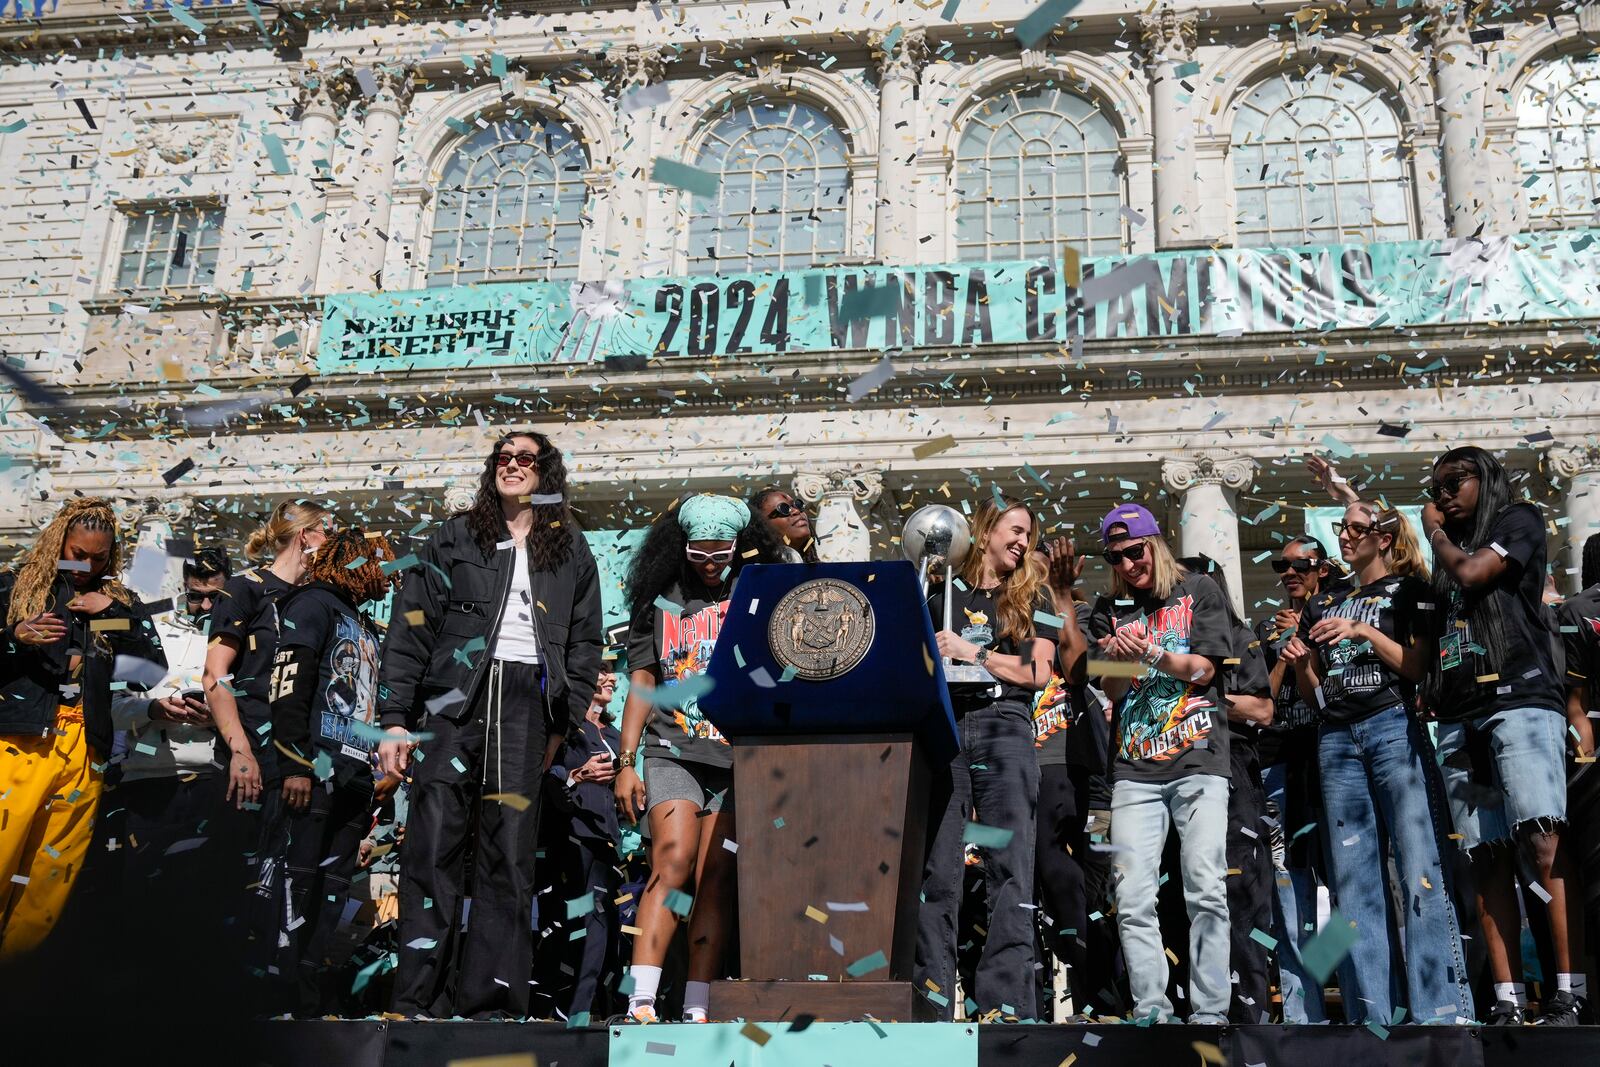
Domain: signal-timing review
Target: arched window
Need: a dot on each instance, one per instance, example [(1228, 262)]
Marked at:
[(1038, 168), (1317, 159), (1558, 142), (510, 205), (783, 186)]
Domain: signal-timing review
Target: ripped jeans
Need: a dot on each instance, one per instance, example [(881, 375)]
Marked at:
[(1502, 770)]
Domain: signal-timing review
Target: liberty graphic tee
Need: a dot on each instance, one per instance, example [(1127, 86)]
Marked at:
[(676, 635), (1165, 728)]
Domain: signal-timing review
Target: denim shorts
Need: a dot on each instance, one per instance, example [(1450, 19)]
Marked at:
[(709, 787), (1502, 770)]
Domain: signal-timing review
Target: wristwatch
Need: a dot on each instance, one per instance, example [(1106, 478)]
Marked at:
[(981, 657), (629, 758)]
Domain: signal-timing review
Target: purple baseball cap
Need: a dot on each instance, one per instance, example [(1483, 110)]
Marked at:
[(1136, 517)]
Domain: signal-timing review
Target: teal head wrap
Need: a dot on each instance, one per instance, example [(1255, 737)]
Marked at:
[(713, 518)]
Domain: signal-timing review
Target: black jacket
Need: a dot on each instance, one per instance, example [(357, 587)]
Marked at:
[(591, 806), (32, 676), (460, 591)]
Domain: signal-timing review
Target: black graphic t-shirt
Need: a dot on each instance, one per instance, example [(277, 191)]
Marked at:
[(676, 634), (1526, 677), (1293, 733), (1166, 728), (1356, 684), (328, 655), (245, 617), (976, 618)]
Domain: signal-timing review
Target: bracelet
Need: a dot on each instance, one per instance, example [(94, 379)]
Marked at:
[(1436, 533), (1152, 655), (630, 758)]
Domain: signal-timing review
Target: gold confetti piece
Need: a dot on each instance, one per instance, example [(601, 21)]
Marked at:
[(511, 800), (1071, 266), (100, 625), (632, 931), (816, 914), (755, 1033), (1425, 883), (1484, 679), (1172, 956), (1070, 1060), (623, 899), (515, 1059), (1209, 1053), (1113, 668), (934, 447), (416, 618)]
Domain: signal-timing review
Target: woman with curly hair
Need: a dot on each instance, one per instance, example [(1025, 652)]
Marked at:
[(678, 589), (495, 636), (67, 618), (1000, 606), (324, 709)]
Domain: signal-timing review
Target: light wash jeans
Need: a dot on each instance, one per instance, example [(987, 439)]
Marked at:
[(1141, 813), (1381, 785), (1294, 908)]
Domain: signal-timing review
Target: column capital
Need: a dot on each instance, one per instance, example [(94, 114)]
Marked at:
[(899, 55), (386, 88), (1182, 473), (322, 91), (1168, 34), (458, 496), (1569, 461), (1449, 22), (635, 66), (862, 487)]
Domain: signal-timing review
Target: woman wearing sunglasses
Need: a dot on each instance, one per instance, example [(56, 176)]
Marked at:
[(679, 588), (1502, 733), (1170, 763), (495, 636), (789, 521), (1358, 653)]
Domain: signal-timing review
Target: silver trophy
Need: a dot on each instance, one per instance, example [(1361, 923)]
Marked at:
[(938, 536)]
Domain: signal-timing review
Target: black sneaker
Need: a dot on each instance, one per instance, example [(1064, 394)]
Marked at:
[(1562, 1008), (1505, 1013)]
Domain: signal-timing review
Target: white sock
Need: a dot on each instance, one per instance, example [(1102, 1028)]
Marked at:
[(1576, 984), (696, 1000), (1515, 992), (646, 980)]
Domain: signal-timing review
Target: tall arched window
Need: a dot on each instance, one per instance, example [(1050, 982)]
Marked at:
[(1317, 159), (782, 194), (1038, 168), (1558, 142), (509, 206)]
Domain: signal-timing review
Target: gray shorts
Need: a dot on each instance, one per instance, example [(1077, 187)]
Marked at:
[(708, 787)]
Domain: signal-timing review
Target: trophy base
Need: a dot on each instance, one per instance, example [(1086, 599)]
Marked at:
[(967, 673)]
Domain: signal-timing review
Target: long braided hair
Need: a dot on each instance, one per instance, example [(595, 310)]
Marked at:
[(36, 576)]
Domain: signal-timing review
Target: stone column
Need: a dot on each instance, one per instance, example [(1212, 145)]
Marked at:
[(385, 106), (901, 54), (1168, 37), (1207, 523), (1579, 468), (1460, 83), (637, 82), (323, 98), (841, 499)]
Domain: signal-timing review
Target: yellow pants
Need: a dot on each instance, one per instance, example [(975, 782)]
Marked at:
[(49, 794)]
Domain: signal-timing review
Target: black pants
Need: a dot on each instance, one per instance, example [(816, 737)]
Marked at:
[(1073, 881), (466, 946), (265, 832), (1249, 891), (320, 861), (588, 869)]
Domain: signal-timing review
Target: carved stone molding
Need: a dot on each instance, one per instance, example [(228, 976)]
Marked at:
[(325, 91), (1569, 461), (459, 496), (1168, 35), (862, 487), (184, 145), (389, 87), (1448, 21), (636, 65), (904, 57), (1182, 473)]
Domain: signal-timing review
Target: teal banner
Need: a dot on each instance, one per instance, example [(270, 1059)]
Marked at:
[(791, 1044), (1170, 294)]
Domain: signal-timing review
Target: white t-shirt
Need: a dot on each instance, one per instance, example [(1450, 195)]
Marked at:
[(516, 641)]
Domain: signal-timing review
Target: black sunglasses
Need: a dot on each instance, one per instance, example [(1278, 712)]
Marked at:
[(1134, 552), (784, 510), (1358, 530), (195, 596), (1450, 486), (522, 459), (1304, 566)]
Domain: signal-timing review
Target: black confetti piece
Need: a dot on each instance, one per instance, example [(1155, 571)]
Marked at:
[(171, 476)]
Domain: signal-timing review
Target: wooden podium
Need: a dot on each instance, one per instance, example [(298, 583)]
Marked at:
[(830, 786)]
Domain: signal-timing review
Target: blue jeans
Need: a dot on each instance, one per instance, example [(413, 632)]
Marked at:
[(996, 772), (1381, 786), (1294, 909), (1141, 813), (1518, 775)]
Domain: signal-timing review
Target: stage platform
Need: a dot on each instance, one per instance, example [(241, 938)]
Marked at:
[(438, 1044)]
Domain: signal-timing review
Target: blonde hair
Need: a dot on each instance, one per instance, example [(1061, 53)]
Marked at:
[(36, 576), (1020, 588), (1404, 555), (289, 520), (1165, 570)]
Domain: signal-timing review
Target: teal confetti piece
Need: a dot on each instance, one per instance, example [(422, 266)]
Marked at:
[(403, 563), (668, 606), (455, 761), (1186, 70), (497, 64), (583, 905), (873, 301), (356, 563), (949, 11), (14, 127), (777, 824), (322, 766), (1323, 953), (680, 693), (867, 964), (1044, 618), (1266, 941), (738, 657), (186, 19), (1036, 26), (1337, 447), (380, 966), (682, 176), (679, 902), (787, 675), (275, 153), (987, 836)]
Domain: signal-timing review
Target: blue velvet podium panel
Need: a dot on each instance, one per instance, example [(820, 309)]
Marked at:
[(898, 688)]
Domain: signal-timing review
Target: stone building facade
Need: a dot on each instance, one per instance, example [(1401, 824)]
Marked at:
[(192, 193)]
